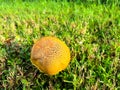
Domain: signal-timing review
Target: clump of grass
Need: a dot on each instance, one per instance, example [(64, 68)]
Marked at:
[(91, 30)]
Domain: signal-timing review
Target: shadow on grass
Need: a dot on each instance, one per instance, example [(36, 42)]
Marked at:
[(17, 63)]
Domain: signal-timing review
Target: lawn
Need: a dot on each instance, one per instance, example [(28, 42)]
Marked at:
[(90, 29)]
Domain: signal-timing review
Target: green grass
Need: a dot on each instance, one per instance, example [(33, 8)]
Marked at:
[(91, 30)]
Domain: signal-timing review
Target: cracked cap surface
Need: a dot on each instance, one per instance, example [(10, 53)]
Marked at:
[(50, 55)]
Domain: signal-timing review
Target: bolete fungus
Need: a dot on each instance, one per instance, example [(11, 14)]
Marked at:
[(50, 55)]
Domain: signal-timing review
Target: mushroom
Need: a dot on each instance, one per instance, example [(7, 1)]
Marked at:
[(50, 55)]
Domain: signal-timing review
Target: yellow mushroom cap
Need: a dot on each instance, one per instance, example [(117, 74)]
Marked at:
[(50, 55)]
